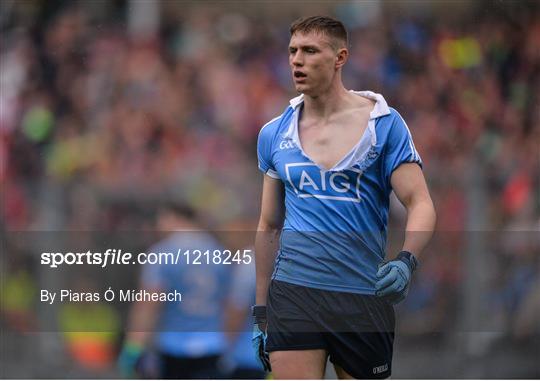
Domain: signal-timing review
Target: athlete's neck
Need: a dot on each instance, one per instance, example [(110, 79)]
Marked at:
[(324, 105)]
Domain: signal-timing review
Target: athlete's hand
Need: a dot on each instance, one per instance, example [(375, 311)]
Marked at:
[(394, 277), (129, 358), (259, 337)]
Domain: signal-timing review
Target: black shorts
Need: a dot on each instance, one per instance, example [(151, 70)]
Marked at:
[(356, 330), (173, 367)]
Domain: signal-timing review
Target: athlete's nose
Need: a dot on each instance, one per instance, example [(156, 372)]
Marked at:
[(296, 59)]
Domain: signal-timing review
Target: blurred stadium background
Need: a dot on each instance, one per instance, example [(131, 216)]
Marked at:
[(109, 107)]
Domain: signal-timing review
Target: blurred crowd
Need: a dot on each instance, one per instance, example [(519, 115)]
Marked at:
[(98, 117)]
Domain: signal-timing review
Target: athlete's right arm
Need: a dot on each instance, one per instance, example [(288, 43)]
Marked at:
[(268, 232)]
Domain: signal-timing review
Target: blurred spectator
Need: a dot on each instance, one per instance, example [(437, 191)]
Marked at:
[(17, 299), (241, 355), (90, 330), (188, 334), (240, 358)]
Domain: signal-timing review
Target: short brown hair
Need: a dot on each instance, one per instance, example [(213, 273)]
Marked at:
[(323, 24)]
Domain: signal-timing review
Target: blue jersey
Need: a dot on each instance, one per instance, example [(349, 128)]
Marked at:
[(194, 326), (334, 233)]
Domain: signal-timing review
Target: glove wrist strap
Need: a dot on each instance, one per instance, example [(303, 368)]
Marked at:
[(259, 313), (409, 259)]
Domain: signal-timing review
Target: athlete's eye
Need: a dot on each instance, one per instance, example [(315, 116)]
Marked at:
[(311, 51), (292, 50)]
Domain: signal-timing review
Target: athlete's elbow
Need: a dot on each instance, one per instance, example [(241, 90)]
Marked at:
[(424, 210), (269, 226), (427, 209), (433, 214)]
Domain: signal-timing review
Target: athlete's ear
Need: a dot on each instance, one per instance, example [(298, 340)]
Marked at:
[(341, 57)]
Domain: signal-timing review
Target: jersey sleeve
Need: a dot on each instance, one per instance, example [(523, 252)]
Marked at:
[(264, 151), (400, 147)]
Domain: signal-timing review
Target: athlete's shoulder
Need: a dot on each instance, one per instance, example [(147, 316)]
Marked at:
[(394, 114), (396, 121), (398, 140), (391, 117), (270, 129), (272, 132), (391, 123), (277, 125)]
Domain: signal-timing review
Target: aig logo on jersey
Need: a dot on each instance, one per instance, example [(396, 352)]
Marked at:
[(308, 180)]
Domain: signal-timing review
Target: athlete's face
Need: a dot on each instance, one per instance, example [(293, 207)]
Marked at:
[(314, 59)]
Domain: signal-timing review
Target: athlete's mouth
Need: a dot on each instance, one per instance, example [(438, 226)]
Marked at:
[(299, 74)]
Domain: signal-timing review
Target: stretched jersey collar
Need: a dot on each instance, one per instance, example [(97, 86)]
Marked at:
[(380, 108), (361, 154)]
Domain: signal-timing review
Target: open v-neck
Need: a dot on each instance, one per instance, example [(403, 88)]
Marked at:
[(361, 149)]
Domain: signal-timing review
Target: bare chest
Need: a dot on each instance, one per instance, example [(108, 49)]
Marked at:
[(326, 145)]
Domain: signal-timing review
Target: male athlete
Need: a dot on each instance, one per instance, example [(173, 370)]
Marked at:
[(331, 161)]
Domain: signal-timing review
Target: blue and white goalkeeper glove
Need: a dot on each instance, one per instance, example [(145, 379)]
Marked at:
[(259, 337), (394, 277)]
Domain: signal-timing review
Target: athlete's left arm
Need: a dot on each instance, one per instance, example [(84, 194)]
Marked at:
[(411, 189)]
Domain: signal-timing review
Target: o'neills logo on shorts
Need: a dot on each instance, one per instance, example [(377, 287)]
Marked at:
[(308, 180), (380, 369)]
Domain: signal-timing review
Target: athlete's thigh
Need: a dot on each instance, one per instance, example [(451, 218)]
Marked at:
[(360, 335), (304, 364)]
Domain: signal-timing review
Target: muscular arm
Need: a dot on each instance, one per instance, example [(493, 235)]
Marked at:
[(410, 187), (268, 231)]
